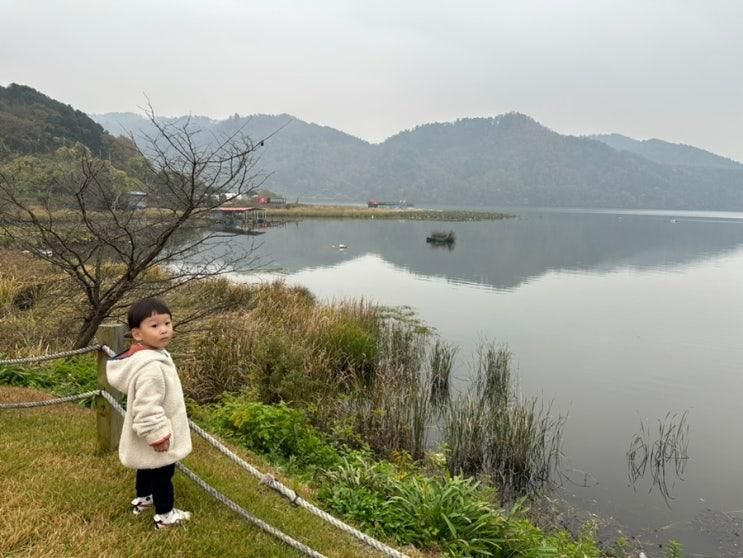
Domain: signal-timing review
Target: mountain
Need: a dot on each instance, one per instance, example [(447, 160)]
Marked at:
[(32, 123), (506, 160), (299, 160), (668, 153)]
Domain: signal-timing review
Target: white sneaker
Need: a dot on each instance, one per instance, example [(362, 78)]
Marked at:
[(173, 517), (141, 503)]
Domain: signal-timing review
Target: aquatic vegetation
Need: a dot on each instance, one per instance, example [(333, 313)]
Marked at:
[(662, 454), (492, 431), (441, 362)]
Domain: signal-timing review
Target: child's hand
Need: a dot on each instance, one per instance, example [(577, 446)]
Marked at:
[(164, 445)]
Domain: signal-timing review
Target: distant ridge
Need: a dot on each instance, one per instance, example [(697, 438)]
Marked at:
[(668, 153), (506, 160)]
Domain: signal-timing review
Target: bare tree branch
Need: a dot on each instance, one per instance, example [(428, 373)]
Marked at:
[(89, 225)]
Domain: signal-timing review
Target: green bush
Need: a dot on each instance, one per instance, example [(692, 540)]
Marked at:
[(60, 377), (451, 514), (360, 489), (279, 432), (446, 513)]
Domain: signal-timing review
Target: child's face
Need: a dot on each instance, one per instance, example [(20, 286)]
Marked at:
[(155, 331)]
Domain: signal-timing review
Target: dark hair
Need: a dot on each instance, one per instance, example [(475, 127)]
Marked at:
[(143, 309)]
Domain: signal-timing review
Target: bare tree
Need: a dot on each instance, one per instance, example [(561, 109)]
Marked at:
[(88, 225)]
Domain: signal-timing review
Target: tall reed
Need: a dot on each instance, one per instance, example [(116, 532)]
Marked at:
[(392, 408), (491, 431), (441, 362)]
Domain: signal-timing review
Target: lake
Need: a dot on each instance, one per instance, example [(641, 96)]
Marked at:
[(619, 317)]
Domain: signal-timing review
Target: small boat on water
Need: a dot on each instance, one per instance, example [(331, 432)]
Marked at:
[(441, 237)]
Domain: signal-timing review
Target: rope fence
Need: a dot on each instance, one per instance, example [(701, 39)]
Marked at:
[(293, 497), (48, 402), (266, 479), (42, 358), (226, 501), (251, 518)]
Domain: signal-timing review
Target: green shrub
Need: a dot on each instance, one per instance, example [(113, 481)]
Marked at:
[(360, 489), (674, 550), (279, 432), (451, 514), (445, 513), (61, 377)]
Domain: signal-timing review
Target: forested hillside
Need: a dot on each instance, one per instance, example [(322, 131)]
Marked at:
[(43, 141), (32, 123), (506, 160)]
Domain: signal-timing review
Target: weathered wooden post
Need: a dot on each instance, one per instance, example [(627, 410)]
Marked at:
[(109, 422)]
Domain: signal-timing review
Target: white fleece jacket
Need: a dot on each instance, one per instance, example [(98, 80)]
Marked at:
[(155, 409)]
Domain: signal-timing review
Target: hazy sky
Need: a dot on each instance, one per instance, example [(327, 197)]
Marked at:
[(669, 69)]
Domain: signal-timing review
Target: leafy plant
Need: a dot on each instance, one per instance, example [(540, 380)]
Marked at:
[(278, 431), (674, 550), (60, 377)]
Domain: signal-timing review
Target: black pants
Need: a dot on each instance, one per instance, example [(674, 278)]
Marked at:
[(157, 482)]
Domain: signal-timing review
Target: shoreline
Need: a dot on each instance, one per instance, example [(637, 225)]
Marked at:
[(411, 214)]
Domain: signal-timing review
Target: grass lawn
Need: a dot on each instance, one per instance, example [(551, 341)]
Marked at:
[(58, 498)]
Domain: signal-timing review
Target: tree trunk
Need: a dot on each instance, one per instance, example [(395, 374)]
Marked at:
[(90, 325)]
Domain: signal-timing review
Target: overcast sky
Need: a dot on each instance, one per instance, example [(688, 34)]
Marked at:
[(668, 69)]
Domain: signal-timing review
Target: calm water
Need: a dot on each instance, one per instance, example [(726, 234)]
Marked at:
[(618, 317)]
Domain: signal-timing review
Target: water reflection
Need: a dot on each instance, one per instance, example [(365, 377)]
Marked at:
[(504, 254)]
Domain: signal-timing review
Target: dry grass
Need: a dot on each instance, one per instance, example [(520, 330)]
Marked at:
[(230, 351), (34, 305), (58, 498)]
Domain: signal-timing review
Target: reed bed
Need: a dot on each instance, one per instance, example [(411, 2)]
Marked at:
[(492, 431)]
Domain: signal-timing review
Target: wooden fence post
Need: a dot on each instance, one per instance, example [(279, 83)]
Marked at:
[(109, 422)]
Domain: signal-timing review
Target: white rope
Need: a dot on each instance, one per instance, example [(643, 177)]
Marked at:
[(294, 497), (251, 518), (106, 349), (47, 402), (53, 356), (222, 498)]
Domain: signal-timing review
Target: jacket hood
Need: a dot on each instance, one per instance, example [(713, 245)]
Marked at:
[(120, 373)]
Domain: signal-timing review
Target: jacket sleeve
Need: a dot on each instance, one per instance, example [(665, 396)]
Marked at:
[(148, 415)]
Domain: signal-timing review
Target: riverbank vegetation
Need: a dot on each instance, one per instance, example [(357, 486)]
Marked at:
[(348, 399)]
